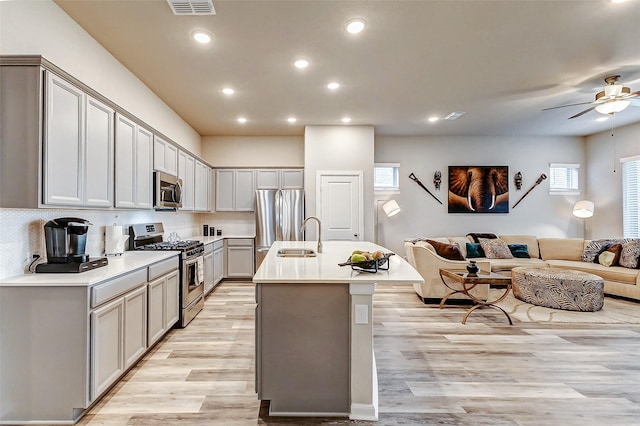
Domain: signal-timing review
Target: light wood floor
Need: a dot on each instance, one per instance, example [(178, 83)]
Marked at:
[(431, 370)]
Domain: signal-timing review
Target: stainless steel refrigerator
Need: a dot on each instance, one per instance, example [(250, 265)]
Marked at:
[(279, 216)]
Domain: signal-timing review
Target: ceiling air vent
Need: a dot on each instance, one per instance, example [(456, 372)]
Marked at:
[(192, 7)]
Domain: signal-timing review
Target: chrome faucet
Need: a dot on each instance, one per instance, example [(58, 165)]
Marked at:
[(319, 250)]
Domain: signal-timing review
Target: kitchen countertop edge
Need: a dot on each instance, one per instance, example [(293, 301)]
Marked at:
[(324, 267), (212, 239), (128, 262)]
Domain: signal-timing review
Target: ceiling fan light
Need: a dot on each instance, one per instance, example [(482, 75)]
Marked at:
[(612, 107), (613, 90)]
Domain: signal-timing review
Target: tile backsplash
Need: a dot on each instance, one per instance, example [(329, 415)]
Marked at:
[(22, 231)]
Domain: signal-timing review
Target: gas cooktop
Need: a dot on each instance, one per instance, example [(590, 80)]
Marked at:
[(166, 245)]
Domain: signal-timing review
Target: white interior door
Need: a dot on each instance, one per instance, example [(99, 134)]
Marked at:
[(340, 205)]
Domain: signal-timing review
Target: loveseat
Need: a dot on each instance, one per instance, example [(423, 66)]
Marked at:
[(564, 253)]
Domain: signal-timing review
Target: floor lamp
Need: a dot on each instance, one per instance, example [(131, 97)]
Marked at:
[(583, 209), (390, 208)]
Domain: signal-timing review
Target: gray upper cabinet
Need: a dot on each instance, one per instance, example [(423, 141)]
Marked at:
[(186, 172), (165, 156), (292, 179), (267, 179), (78, 147), (63, 146), (225, 187), (99, 153), (57, 142), (133, 164), (279, 179), (235, 190), (201, 187), (144, 170)]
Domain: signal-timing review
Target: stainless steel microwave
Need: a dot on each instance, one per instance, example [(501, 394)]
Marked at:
[(167, 192)]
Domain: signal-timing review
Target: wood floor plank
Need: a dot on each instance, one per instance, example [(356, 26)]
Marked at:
[(431, 369)]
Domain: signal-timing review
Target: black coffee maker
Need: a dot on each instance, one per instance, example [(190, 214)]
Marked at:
[(66, 241)]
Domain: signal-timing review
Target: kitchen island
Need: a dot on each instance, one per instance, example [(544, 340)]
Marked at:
[(314, 330)]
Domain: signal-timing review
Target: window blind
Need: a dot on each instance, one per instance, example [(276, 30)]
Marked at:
[(386, 177), (631, 197), (563, 177)]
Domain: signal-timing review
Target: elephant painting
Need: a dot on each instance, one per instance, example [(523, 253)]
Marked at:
[(479, 189)]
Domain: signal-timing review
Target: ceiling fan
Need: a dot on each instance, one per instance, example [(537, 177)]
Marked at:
[(614, 98)]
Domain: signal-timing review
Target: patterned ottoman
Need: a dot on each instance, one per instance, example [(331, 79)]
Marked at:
[(558, 288)]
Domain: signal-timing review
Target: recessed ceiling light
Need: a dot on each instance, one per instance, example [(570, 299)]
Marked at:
[(333, 85), (433, 119), (201, 36), (228, 91), (617, 1), (292, 119), (603, 118), (346, 119), (300, 63), (356, 25), (242, 120), (454, 115)]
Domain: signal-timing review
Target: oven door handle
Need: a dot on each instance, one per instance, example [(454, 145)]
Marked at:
[(189, 262), (199, 275)]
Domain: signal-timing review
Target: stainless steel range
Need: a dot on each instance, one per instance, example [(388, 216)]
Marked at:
[(149, 236)]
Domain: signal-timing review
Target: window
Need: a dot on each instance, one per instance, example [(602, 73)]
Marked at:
[(631, 196), (386, 177), (563, 179)]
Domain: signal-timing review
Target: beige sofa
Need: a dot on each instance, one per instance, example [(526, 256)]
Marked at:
[(563, 253)]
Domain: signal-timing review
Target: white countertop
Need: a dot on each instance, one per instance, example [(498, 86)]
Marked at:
[(118, 265), (324, 267), (208, 240)]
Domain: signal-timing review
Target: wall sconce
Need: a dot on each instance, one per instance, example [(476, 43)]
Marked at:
[(391, 208), (517, 180), (437, 179), (583, 209)]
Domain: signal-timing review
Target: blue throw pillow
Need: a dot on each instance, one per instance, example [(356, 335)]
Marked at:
[(474, 250), (519, 250)]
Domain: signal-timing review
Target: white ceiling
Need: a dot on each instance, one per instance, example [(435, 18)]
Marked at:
[(501, 62)]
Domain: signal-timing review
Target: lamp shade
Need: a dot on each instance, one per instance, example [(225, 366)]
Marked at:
[(391, 208), (583, 208), (611, 107)]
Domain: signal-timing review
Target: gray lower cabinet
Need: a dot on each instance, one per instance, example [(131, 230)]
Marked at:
[(64, 345), (135, 326), (163, 299), (208, 269), (118, 328), (218, 261), (239, 257), (107, 331), (118, 338)]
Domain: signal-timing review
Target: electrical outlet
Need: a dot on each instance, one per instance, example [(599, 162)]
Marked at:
[(362, 314)]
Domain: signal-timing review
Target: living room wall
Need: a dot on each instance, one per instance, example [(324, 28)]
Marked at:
[(538, 214), (604, 181)]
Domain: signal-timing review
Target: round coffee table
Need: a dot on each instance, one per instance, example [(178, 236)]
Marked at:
[(558, 288)]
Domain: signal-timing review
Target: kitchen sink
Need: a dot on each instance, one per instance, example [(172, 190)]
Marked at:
[(296, 252)]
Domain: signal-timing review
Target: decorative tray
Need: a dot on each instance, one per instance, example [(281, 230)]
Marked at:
[(372, 266)]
